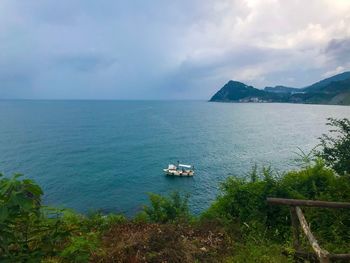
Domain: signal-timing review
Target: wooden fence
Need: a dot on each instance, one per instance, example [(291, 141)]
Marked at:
[(297, 215)]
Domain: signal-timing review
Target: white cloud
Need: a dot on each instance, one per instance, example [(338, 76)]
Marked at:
[(291, 34), (337, 70)]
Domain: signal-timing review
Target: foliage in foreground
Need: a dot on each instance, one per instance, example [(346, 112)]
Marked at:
[(163, 209), (243, 202), (336, 149), (30, 232), (238, 223)]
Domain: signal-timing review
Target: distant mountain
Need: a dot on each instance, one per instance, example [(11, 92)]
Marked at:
[(281, 89), (333, 90), (323, 83), (239, 92), (234, 91)]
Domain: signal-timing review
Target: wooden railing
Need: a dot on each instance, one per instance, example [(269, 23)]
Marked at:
[(297, 215)]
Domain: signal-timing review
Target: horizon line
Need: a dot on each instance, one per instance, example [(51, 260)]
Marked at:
[(82, 99)]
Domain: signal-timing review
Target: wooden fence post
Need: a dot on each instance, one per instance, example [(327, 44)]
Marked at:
[(295, 228), (297, 215), (323, 255)]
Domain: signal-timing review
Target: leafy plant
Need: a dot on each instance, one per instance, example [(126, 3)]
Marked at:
[(336, 149), (243, 201), (19, 212), (305, 159), (167, 209), (28, 231), (80, 248)]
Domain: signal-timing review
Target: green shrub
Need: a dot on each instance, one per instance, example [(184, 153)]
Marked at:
[(168, 209), (80, 248), (243, 201), (336, 149), (141, 217), (30, 232), (97, 221), (259, 251), (20, 232)]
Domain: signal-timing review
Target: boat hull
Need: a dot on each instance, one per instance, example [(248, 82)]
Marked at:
[(178, 173)]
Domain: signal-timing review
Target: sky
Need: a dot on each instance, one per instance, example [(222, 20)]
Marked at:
[(158, 49)]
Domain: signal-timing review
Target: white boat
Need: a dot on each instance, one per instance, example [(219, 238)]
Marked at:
[(179, 170)]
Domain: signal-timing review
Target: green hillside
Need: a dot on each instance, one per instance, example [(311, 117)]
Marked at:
[(333, 90)]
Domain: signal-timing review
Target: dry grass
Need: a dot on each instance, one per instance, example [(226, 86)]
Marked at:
[(133, 243)]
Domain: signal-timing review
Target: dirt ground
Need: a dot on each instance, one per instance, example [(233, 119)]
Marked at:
[(133, 243)]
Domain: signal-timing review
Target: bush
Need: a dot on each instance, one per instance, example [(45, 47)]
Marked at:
[(168, 209), (259, 251), (24, 235), (30, 232), (80, 248), (336, 149), (243, 201)]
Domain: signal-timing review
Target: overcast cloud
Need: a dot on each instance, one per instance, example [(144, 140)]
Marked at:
[(84, 49)]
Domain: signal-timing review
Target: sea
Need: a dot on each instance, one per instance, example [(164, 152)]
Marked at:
[(109, 155)]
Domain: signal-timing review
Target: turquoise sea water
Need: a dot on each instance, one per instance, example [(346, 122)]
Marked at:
[(109, 154)]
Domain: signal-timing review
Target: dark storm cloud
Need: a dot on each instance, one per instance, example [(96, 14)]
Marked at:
[(213, 72), (339, 50)]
